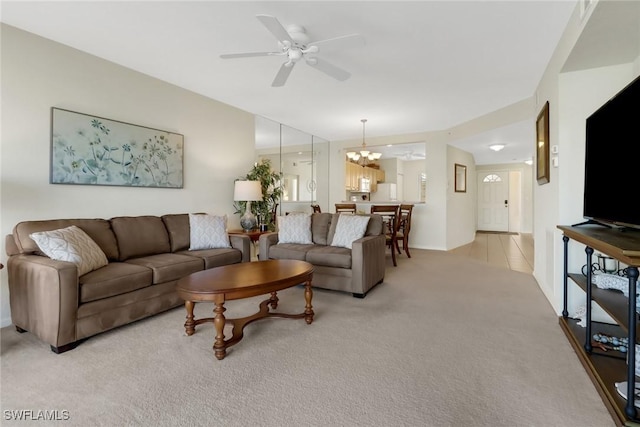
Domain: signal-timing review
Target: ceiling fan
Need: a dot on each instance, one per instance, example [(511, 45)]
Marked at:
[(412, 155), (295, 45)]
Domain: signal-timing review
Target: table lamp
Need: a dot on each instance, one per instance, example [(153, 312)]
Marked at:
[(247, 191)]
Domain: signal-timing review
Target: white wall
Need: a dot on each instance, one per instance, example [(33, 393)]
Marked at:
[(582, 92), (38, 74), (428, 223), (412, 171), (572, 97), (461, 207)]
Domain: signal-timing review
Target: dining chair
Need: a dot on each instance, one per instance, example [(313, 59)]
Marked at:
[(346, 207), (316, 208), (404, 227), (390, 216)]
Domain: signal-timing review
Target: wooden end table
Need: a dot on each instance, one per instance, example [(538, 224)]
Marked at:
[(254, 235), (244, 280)]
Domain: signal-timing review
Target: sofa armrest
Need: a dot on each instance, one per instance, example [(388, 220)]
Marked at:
[(243, 244), (367, 262), (44, 295), (265, 242)]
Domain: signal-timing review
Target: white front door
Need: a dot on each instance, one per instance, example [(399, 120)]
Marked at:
[(493, 201)]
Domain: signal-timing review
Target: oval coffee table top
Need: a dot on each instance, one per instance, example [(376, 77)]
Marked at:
[(243, 280)]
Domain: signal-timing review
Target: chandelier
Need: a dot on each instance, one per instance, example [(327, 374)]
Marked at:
[(364, 156)]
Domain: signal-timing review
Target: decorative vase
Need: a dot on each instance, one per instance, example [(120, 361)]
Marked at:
[(248, 221)]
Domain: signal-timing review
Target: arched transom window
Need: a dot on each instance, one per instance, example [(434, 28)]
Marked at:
[(492, 178)]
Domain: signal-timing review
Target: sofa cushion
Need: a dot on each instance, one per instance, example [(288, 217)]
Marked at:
[(329, 256), (216, 257), (320, 227), (295, 228), (140, 236), (168, 266), (349, 229), (178, 229), (114, 279), (289, 251), (98, 229), (208, 232), (73, 245), (375, 226)]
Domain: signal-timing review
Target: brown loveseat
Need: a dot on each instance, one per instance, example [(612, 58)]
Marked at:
[(354, 270), (146, 256)]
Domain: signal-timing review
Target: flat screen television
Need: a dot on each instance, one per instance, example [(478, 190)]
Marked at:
[(612, 160)]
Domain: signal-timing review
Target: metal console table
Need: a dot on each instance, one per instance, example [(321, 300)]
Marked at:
[(606, 368)]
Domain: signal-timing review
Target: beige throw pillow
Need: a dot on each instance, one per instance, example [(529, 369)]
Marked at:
[(295, 229), (349, 229), (208, 232), (71, 244)]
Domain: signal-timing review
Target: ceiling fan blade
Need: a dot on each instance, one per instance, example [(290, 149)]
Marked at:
[(350, 40), (275, 27), (329, 69), (248, 54), (283, 74)]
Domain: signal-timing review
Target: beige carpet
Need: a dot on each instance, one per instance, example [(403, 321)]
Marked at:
[(444, 341)]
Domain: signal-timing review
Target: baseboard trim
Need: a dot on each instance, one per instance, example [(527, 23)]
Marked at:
[(6, 321), (496, 232)]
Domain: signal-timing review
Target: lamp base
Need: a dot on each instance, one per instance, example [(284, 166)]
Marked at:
[(248, 221)]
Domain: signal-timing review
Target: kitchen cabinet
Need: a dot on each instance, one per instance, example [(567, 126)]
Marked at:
[(354, 172)]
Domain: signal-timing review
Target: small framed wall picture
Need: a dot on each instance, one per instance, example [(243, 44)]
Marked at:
[(542, 145), (460, 178)]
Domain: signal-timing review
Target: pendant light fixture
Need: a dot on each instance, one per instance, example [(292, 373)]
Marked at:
[(364, 156)]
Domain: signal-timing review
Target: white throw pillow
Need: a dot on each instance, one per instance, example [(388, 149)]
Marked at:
[(349, 228), (295, 229), (208, 232), (73, 245)]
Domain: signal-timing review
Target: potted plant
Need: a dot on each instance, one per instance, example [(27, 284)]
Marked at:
[(271, 193)]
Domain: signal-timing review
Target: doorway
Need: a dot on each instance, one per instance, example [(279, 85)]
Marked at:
[(493, 201)]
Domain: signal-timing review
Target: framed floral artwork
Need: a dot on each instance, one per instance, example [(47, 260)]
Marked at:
[(92, 150)]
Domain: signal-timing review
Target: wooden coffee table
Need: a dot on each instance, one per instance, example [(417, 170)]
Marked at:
[(244, 280)]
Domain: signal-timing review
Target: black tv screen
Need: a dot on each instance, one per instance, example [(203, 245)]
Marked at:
[(612, 160)]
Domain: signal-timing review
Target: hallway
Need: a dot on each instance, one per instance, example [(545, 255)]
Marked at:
[(508, 250)]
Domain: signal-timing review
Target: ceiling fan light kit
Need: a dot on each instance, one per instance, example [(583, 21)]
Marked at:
[(294, 44)]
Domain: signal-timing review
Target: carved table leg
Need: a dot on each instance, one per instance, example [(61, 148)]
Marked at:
[(190, 324), (274, 300), (218, 322), (308, 308)]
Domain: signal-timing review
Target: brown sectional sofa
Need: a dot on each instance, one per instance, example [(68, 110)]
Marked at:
[(146, 254), (354, 270)]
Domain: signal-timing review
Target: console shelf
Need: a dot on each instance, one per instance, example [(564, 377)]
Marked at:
[(606, 368), (613, 302)]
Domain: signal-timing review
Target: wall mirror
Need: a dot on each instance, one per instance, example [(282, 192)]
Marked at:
[(298, 156)]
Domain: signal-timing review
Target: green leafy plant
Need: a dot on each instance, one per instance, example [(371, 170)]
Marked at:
[(271, 192)]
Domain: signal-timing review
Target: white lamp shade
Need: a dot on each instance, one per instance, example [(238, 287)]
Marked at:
[(247, 191)]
